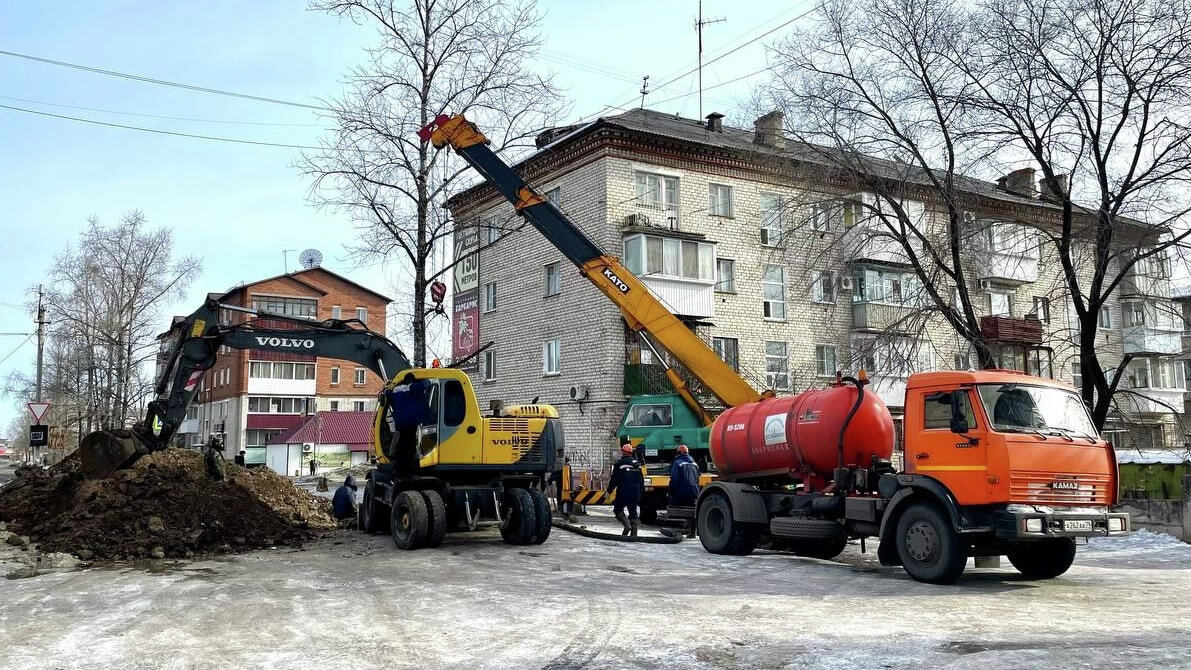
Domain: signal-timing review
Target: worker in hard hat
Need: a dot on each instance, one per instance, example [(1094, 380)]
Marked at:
[(628, 484), (684, 479)]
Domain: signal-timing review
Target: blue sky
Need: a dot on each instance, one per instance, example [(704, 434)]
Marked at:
[(238, 206)]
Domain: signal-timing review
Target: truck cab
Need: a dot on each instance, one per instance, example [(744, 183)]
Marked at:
[(656, 424)]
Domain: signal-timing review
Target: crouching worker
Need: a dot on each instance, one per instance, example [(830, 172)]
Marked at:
[(343, 505), (628, 484)]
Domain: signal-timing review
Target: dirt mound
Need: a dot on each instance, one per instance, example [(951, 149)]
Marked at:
[(163, 506)]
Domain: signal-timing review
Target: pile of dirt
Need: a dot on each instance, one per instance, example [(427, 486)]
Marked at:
[(164, 506)]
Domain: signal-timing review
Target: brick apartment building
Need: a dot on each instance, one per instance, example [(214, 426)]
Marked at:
[(250, 396), (697, 211)]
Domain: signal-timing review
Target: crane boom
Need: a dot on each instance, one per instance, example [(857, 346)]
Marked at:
[(641, 310)]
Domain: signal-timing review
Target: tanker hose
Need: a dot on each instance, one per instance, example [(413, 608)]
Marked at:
[(840, 490)]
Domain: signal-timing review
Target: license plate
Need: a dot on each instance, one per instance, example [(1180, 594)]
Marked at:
[(651, 452), (1077, 524)]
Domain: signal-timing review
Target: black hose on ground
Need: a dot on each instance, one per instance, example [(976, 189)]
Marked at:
[(615, 537)]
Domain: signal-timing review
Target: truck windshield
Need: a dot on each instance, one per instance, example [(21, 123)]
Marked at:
[(1036, 409)]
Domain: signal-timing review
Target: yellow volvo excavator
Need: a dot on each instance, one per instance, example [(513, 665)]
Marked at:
[(441, 466)]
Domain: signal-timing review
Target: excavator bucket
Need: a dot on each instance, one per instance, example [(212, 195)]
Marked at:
[(103, 452)]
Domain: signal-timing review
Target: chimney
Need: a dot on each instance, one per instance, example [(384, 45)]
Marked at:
[(714, 122), (1020, 182), (767, 130), (1046, 193)]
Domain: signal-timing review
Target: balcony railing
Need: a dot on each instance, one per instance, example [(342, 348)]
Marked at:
[(1139, 284), (1009, 268), (1009, 329), (883, 318), (1147, 340), (1150, 400)]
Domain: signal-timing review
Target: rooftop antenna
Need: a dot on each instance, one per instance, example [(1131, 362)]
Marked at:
[(699, 23), (644, 89), (285, 259)]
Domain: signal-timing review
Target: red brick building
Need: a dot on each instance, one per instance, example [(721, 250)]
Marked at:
[(251, 396)]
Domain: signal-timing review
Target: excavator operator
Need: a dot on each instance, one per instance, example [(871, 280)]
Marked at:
[(409, 411)]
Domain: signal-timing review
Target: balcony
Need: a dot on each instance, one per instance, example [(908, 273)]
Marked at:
[(1009, 329), (1148, 281), (677, 268), (871, 241), (1009, 268), (1150, 401), (889, 388), (1149, 341), (879, 317)]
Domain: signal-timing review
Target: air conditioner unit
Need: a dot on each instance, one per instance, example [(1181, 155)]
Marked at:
[(579, 392), (986, 284), (307, 447), (636, 220)]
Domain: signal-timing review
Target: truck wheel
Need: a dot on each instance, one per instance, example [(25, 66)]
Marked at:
[(410, 520), (720, 533), (520, 519), (541, 511), (1043, 559), (372, 512), (930, 549), (436, 528)]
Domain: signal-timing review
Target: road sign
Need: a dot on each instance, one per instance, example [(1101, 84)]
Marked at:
[(39, 435), (38, 410)]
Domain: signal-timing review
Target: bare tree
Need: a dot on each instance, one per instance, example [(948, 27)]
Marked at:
[(434, 57), (906, 97), (103, 302)]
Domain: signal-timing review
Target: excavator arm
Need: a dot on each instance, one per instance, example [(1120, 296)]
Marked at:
[(641, 310), (199, 338)]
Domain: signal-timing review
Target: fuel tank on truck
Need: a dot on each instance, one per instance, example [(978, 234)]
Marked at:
[(800, 434)]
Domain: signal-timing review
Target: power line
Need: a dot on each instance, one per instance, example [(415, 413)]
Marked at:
[(723, 83), (163, 82), (159, 116), (17, 348), (159, 131)]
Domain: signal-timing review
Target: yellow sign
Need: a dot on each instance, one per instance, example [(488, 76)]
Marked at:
[(199, 327)]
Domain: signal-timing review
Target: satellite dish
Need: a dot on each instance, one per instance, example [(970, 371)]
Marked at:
[(311, 258)]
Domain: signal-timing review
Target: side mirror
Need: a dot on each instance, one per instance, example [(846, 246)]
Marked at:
[(959, 421)]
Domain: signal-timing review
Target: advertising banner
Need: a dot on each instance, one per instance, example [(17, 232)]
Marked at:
[(465, 329)]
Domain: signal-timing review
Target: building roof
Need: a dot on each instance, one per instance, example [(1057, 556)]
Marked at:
[(299, 277), (673, 127), (351, 428)]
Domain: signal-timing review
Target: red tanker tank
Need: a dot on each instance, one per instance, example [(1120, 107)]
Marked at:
[(799, 435)]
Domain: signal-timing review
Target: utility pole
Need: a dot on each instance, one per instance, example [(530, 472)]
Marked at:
[(699, 23), (40, 339), (644, 89)]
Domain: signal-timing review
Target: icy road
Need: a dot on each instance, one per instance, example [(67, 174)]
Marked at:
[(356, 602)]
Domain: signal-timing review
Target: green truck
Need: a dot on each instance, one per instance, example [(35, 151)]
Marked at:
[(656, 424)]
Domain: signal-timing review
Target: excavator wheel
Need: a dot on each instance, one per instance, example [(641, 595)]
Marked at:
[(372, 512), (520, 517), (105, 451), (541, 510), (410, 520), (437, 527)]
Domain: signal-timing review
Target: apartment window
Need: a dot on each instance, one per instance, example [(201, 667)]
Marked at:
[(1038, 363), (821, 214), (773, 291), (888, 286), (1139, 376), (1076, 373), (335, 376), (360, 376), (823, 288), (278, 405), (663, 256), (254, 438), (553, 280), (963, 361), (853, 213), (725, 275), (304, 308), (278, 370), (336, 312), (657, 191), (493, 230), (362, 314), (777, 366), (1105, 318), (489, 365), (719, 200), (1042, 309), (551, 353), (1000, 303), (554, 195), (825, 359), (357, 405), (728, 349), (489, 296), (1134, 313), (334, 405), (771, 220)]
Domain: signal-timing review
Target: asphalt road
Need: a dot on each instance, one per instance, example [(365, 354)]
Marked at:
[(355, 602), (7, 468)]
